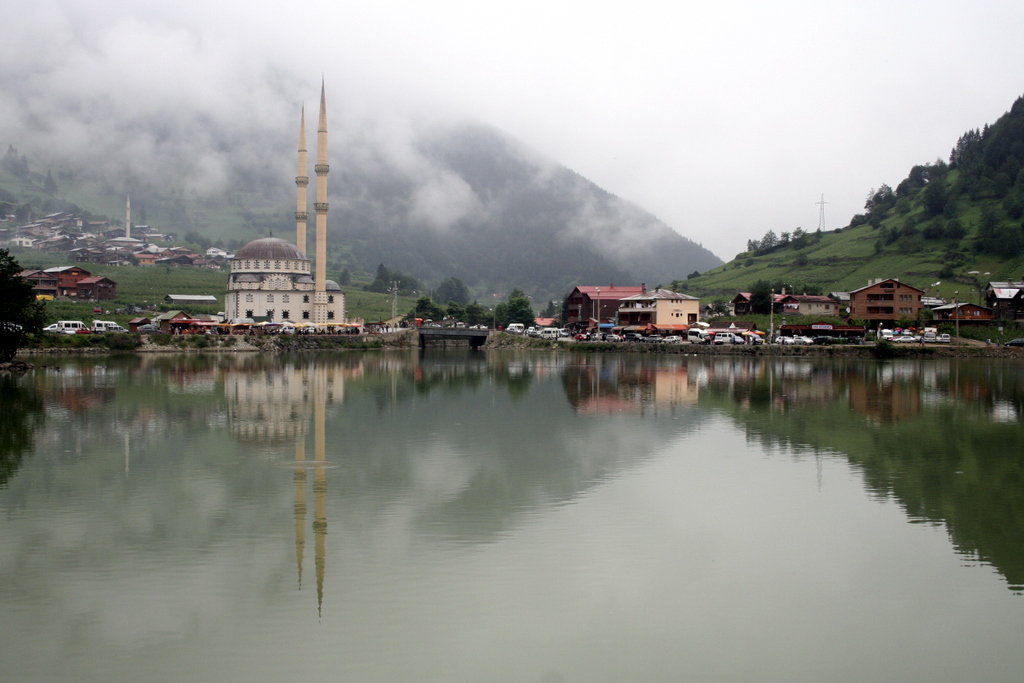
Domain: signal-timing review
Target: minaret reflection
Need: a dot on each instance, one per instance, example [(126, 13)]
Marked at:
[(320, 486), (271, 407)]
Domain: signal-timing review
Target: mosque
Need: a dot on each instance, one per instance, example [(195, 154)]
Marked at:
[(270, 277)]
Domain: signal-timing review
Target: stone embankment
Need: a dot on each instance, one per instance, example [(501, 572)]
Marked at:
[(968, 349)]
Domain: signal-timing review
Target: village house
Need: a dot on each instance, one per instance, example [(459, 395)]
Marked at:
[(1006, 299), (44, 284), (741, 304), (587, 306), (68, 278), (963, 311), (805, 304), (886, 301), (97, 289), (660, 311)]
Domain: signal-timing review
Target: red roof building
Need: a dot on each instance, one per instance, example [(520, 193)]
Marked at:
[(586, 306)]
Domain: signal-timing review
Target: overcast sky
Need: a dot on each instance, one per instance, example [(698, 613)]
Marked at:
[(723, 119)]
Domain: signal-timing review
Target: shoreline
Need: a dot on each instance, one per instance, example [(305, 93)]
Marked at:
[(500, 341)]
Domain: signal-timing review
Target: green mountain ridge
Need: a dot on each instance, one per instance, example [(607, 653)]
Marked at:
[(947, 227)]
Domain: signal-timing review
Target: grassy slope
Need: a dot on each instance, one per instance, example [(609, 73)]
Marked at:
[(147, 286), (845, 260)]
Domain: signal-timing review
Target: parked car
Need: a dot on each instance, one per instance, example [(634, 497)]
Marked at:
[(805, 341), (944, 339), (148, 328), (1014, 342), (632, 337), (672, 339), (580, 337), (905, 339), (823, 340), (612, 337)]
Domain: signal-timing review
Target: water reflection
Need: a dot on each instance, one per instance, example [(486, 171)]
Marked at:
[(465, 502), (21, 415), (944, 439)]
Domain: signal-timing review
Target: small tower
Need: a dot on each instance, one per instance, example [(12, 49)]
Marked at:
[(321, 207), (301, 183)]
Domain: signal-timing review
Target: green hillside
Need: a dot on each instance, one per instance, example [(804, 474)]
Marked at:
[(956, 223)]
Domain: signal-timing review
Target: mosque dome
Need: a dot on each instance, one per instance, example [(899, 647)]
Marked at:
[(270, 248)]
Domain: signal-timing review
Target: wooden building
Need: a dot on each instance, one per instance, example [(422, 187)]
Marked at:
[(886, 301)]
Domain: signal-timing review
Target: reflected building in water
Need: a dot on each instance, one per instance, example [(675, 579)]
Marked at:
[(622, 386)]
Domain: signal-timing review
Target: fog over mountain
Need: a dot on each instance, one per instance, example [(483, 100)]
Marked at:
[(427, 193)]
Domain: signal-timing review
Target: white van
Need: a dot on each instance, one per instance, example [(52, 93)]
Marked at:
[(101, 326), (516, 328), (727, 338), (697, 336), (67, 327), (549, 333)]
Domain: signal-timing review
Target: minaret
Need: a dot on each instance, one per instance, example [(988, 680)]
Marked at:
[(301, 183), (128, 217), (321, 206)]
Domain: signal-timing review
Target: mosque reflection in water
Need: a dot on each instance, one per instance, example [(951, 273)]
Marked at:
[(911, 428), (811, 404)]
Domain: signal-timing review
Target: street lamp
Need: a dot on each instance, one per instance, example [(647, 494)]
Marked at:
[(956, 313), (771, 318), (597, 318)]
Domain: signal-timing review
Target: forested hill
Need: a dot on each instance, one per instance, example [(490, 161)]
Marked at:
[(948, 226), (461, 201)]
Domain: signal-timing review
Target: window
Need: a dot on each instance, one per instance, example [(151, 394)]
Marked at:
[(284, 315), (248, 299), (330, 315), (305, 315), (330, 298), (270, 298), (270, 313), (284, 298), (266, 264), (277, 265), (305, 298), (248, 313)]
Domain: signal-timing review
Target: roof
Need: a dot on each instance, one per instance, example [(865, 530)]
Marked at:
[(94, 279), (726, 325), (609, 292), (663, 294), (270, 247), (191, 298), (888, 279), (1004, 292), (811, 299)]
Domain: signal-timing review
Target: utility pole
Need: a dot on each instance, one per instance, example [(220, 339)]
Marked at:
[(394, 301)]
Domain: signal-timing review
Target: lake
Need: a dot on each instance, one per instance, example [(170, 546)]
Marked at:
[(511, 516)]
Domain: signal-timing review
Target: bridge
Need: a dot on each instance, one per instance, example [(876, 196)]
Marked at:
[(476, 338)]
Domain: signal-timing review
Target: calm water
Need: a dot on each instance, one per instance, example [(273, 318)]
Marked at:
[(511, 517)]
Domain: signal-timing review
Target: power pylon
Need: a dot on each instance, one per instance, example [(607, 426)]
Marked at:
[(821, 213)]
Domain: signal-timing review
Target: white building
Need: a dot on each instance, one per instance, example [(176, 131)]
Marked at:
[(270, 278)]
